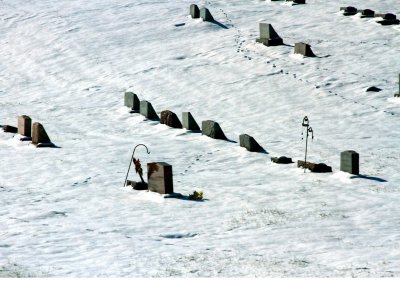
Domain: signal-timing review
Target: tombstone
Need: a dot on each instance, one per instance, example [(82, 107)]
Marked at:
[(39, 136), (398, 94), (132, 101), (268, 35), (348, 11), (349, 162), (194, 11), (188, 122), (24, 125), (373, 89), (159, 178), (282, 160), (387, 19), (212, 129), (147, 110), (206, 15), (367, 13), (10, 129), (169, 118), (319, 168), (303, 49), (250, 143), (297, 1)]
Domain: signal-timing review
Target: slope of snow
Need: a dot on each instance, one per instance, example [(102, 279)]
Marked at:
[(67, 64)]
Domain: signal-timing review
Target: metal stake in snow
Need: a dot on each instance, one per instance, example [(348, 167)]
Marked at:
[(306, 124), (126, 178)]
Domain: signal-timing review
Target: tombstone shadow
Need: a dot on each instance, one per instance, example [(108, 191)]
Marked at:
[(179, 196), (219, 24), (373, 178)]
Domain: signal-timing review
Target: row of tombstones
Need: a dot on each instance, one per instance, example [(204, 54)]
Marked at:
[(387, 19), (349, 159), (30, 132)]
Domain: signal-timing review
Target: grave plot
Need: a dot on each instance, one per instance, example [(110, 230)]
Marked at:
[(303, 49), (268, 35)]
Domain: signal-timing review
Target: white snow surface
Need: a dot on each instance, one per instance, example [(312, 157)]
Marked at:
[(64, 211)]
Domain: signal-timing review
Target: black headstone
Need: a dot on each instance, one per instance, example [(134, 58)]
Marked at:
[(194, 11)]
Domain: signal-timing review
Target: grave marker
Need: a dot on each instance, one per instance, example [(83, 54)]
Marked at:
[(206, 15), (388, 19), (189, 122), (250, 143), (132, 101), (398, 94), (39, 136), (24, 125), (159, 177), (147, 110), (169, 118), (268, 35), (348, 11), (212, 129), (367, 13), (303, 49), (349, 162), (10, 129), (319, 168), (282, 160), (194, 11)]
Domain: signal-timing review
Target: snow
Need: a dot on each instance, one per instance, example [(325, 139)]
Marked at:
[(67, 64)]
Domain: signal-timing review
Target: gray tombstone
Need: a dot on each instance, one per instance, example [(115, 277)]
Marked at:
[(349, 11), (206, 15), (268, 35), (212, 129), (169, 118), (303, 49), (39, 136), (349, 162), (147, 110), (194, 11), (398, 94), (132, 101), (24, 125), (367, 13), (189, 122), (250, 143), (159, 178)]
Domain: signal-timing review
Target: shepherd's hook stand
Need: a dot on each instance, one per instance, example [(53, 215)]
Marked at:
[(126, 178), (306, 124)]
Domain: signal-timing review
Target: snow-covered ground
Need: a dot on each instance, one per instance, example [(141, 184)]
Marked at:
[(67, 64)]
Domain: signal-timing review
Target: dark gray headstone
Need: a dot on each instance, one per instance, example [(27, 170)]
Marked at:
[(389, 16), (268, 35), (367, 13), (159, 178), (10, 129), (147, 110), (398, 94), (373, 89), (132, 101), (250, 143), (189, 122), (212, 129), (194, 11), (39, 134), (349, 162), (169, 118), (303, 49), (24, 125), (206, 15), (388, 19), (319, 168), (299, 1), (349, 11), (282, 160)]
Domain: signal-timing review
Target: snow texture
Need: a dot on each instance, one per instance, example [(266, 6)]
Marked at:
[(67, 64)]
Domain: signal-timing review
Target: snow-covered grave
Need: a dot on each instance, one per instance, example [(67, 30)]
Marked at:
[(68, 64)]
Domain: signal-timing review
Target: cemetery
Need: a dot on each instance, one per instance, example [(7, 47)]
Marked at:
[(243, 152)]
